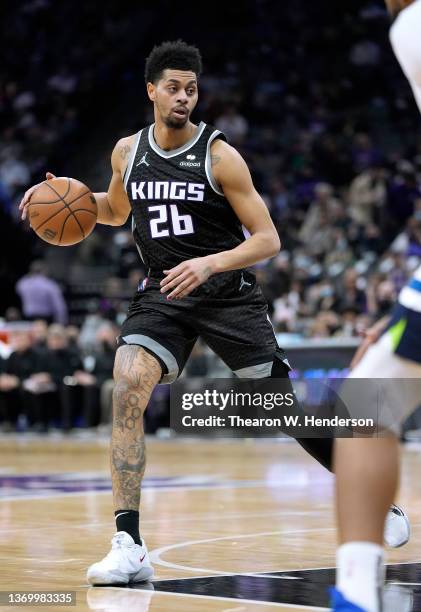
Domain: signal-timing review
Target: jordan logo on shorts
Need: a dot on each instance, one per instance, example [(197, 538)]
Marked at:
[(143, 160)]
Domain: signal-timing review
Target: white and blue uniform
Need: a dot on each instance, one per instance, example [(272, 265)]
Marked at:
[(397, 354), (404, 328), (405, 325), (406, 42)]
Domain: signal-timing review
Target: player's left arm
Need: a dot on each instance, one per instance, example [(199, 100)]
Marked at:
[(232, 174)]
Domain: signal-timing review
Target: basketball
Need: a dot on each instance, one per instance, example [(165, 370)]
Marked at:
[(62, 211)]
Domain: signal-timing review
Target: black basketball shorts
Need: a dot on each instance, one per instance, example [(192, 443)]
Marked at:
[(228, 313)]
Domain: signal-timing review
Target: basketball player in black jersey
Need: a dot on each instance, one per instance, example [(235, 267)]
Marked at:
[(189, 193)]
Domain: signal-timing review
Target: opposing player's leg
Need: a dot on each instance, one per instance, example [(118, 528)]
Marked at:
[(136, 372), (367, 479)]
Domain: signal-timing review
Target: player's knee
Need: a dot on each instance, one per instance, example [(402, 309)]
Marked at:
[(136, 367), (136, 373)]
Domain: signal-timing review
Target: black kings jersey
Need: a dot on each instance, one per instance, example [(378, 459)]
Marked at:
[(179, 212)]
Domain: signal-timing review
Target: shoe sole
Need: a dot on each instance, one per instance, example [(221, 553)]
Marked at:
[(96, 578), (145, 574)]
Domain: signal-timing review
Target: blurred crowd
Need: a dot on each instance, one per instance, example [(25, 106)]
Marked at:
[(56, 377), (310, 94), (47, 379)]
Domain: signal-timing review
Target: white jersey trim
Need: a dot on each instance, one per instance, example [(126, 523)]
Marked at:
[(208, 164), (129, 167), (137, 246), (168, 154)]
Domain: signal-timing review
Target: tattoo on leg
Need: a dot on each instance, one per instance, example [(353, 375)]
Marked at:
[(136, 374), (128, 468)]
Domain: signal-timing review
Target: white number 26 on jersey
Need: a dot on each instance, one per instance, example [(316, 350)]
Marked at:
[(181, 224)]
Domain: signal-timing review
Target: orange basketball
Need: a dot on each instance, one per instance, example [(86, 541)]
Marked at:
[(62, 211)]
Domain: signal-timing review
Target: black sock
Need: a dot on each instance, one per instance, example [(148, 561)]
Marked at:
[(128, 521)]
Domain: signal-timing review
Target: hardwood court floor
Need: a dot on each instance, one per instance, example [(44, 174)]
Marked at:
[(230, 525)]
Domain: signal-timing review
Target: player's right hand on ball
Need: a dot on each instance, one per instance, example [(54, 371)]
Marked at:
[(27, 197)]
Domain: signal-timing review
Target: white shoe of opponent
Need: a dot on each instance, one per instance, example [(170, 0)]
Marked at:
[(397, 528), (126, 562)]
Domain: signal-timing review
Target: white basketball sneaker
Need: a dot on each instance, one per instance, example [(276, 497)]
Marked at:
[(397, 528), (126, 562)]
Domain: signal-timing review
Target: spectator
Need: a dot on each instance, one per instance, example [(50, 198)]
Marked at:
[(233, 124), (103, 367), (111, 299), (404, 191), (76, 388), (301, 124), (318, 216), (12, 314), (408, 242), (39, 331), (72, 333), (14, 173), (23, 385), (88, 333), (364, 152), (351, 296), (41, 296), (367, 195)]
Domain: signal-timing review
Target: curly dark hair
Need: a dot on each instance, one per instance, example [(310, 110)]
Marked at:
[(174, 54)]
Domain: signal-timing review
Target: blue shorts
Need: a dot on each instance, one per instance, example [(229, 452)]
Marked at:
[(405, 331)]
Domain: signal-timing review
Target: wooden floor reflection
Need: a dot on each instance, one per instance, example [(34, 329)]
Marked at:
[(209, 509)]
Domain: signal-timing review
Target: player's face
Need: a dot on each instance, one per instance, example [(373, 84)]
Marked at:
[(175, 96)]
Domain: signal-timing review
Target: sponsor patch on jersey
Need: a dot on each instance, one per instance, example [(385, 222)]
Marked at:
[(189, 164)]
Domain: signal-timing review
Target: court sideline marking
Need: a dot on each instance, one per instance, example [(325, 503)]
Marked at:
[(155, 554)]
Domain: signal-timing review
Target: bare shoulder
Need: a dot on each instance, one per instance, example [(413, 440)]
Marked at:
[(222, 151), (122, 151), (226, 161)]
